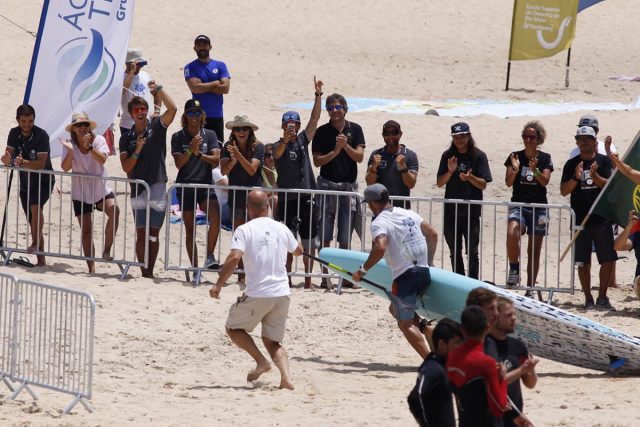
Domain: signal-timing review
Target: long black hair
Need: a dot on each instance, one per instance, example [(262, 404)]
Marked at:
[(471, 148)]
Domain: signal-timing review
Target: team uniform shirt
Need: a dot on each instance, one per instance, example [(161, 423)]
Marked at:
[(150, 166), (473, 375), (85, 189), (458, 189), (430, 400), (586, 191), (406, 245), (38, 142), (264, 244), (196, 170), (601, 149), (238, 175), (209, 72), (294, 166), (526, 188), (513, 352), (341, 168), (140, 87), (388, 174)]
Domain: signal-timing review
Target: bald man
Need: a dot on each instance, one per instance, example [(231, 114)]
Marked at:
[(263, 245)]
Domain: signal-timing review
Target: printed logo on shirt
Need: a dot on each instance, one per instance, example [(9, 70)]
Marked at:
[(587, 182), (139, 88)]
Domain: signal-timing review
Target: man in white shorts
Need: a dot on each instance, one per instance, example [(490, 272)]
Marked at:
[(263, 245)]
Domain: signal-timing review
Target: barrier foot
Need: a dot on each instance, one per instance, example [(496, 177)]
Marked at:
[(7, 383), (74, 402), (550, 298), (7, 258), (23, 386), (124, 271)]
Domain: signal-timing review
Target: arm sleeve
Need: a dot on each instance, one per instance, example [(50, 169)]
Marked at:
[(292, 243), (567, 171), (442, 167), (100, 145), (259, 152), (239, 240), (412, 161), (224, 72), (176, 147), (483, 170), (496, 389)]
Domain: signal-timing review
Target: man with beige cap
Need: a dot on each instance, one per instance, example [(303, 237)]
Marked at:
[(136, 83)]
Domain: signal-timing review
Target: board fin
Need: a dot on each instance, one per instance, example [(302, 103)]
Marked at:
[(616, 363)]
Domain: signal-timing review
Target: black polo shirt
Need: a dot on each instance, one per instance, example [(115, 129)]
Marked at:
[(388, 173), (37, 142), (342, 168), (196, 170), (294, 166)]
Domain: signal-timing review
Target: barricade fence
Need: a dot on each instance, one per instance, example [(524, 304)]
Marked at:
[(47, 339), (463, 225), (306, 212), (102, 231)]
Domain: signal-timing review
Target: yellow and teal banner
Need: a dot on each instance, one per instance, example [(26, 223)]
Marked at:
[(542, 28), (620, 195)]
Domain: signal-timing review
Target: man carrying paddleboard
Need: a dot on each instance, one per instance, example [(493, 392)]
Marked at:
[(399, 236)]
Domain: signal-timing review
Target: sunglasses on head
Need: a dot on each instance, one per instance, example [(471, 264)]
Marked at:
[(391, 133), (242, 129), (529, 137), (140, 110), (194, 113), (336, 107), (81, 125)]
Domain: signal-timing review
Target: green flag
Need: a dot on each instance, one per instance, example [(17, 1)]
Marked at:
[(620, 195)]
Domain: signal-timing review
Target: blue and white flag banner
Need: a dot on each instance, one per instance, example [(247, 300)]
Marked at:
[(586, 3), (78, 62)]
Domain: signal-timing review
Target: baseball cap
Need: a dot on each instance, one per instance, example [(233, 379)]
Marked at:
[(291, 116), (192, 104), (391, 124), (376, 192), (586, 131), (459, 128), (588, 120), (202, 37)]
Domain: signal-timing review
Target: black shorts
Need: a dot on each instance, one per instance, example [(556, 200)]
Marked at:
[(189, 197), (37, 195), (601, 236), (81, 208), (299, 217), (216, 124)]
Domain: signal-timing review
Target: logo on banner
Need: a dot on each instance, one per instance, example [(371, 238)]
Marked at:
[(85, 69), (554, 44)]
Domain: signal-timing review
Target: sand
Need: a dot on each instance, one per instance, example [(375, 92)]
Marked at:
[(161, 355)]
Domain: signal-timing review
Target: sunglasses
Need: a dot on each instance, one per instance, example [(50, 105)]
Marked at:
[(529, 137), (268, 155), (81, 125), (391, 133), (336, 107), (194, 113), (137, 110), (242, 129)]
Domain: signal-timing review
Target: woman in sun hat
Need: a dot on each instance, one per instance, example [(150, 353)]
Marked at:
[(85, 153), (241, 160)]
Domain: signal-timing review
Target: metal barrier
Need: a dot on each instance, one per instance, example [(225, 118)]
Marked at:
[(553, 275), (62, 235), (47, 339), (286, 205)]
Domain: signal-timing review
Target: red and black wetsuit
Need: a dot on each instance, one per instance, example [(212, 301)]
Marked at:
[(482, 396)]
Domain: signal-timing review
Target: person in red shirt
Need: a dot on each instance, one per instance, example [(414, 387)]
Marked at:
[(477, 381)]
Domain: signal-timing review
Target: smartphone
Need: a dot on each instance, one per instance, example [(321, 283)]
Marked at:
[(291, 126), (141, 63)]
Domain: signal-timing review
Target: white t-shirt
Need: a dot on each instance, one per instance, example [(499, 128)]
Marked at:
[(601, 149), (85, 189), (406, 245), (139, 87), (222, 195), (264, 244)]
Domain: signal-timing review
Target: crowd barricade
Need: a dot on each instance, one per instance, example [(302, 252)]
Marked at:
[(559, 221), (299, 209), (47, 339), (62, 233)]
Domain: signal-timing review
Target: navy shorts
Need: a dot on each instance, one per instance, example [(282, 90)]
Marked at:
[(81, 208), (535, 221), (408, 287), (189, 198), (600, 236)]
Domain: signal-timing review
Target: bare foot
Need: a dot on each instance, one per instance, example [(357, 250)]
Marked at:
[(31, 249), (260, 369), (107, 256), (286, 384)]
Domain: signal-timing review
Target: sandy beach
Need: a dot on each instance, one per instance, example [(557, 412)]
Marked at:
[(162, 357)]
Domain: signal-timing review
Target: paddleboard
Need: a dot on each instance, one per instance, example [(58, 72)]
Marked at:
[(548, 331)]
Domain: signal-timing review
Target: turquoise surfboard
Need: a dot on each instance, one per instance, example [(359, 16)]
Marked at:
[(548, 331)]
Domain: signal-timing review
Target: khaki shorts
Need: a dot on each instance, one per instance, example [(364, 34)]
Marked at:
[(247, 312)]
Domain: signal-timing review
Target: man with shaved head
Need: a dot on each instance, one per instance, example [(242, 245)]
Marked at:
[(263, 244)]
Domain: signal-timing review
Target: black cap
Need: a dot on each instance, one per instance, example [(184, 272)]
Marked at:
[(391, 124), (192, 104), (202, 37), (459, 128)]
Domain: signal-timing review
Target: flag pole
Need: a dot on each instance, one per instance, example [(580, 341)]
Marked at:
[(508, 74), (566, 78), (513, 20)]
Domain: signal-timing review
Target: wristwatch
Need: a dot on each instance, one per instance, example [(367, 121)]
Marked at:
[(362, 270)]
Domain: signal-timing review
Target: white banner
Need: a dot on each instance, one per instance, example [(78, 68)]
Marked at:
[(78, 63)]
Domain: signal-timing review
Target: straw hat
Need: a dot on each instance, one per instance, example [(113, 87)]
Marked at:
[(135, 55), (80, 117), (239, 122)]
